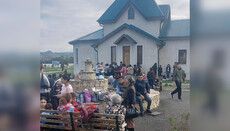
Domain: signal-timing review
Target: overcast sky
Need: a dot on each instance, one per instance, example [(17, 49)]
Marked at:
[(64, 20)]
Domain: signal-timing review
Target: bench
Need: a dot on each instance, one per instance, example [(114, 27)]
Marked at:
[(59, 120)]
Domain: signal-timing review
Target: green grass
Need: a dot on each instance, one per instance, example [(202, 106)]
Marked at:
[(57, 70), (173, 88), (170, 81)]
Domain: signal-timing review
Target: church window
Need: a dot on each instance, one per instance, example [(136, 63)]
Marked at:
[(131, 13), (113, 54), (182, 56), (76, 55), (139, 54)]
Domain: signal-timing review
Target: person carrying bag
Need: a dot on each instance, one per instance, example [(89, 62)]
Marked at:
[(129, 97)]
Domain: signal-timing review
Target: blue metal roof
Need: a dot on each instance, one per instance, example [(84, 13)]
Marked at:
[(89, 37), (130, 27), (148, 8), (176, 28)]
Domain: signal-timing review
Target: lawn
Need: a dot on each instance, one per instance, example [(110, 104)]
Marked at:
[(57, 70), (170, 81), (173, 88)]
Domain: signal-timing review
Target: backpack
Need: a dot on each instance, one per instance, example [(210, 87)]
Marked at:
[(87, 96), (81, 98), (42, 83)]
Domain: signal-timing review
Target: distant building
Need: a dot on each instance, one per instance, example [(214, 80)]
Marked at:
[(136, 31)]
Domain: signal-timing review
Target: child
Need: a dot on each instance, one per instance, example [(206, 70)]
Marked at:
[(48, 106), (74, 103), (62, 107), (43, 103), (62, 104), (74, 99), (68, 98)]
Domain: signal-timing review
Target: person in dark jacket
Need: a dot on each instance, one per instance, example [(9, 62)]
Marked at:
[(134, 70), (168, 71), (155, 68), (129, 97), (151, 77), (142, 92), (51, 80), (177, 79), (117, 75), (160, 70)]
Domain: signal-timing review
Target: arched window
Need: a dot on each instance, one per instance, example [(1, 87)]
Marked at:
[(131, 14)]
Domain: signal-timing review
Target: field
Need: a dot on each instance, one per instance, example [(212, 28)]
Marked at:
[(57, 70)]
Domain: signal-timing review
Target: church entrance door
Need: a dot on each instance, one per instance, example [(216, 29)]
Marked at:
[(126, 55)]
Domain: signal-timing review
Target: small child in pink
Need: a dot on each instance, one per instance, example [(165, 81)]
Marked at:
[(68, 98)]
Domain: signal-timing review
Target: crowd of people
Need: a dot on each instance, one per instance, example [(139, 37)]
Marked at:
[(59, 95)]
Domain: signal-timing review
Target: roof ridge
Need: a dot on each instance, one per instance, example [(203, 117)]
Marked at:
[(87, 35)]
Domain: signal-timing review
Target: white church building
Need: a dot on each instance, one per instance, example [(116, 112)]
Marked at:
[(136, 31)]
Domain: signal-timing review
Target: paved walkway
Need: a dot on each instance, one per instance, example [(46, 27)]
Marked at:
[(169, 107)]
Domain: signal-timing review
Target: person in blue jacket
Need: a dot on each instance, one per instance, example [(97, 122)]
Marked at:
[(142, 93)]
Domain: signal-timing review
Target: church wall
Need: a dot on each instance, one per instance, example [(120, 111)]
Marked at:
[(170, 53), (149, 49), (150, 26), (84, 51)]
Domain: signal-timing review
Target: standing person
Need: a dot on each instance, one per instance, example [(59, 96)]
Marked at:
[(168, 71), (130, 70), (117, 75), (134, 70), (112, 70), (115, 65), (121, 64), (142, 92), (51, 81), (129, 97), (97, 69), (123, 70), (151, 77), (66, 88), (62, 66), (106, 69), (138, 70), (155, 68), (160, 70), (177, 79), (44, 84), (55, 90)]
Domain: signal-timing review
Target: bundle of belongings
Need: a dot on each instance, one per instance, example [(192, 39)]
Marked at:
[(94, 96)]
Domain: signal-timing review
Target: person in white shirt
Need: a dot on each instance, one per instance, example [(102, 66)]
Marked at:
[(66, 88)]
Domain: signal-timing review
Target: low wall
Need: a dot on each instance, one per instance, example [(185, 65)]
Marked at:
[(155, 97), (80, 85)]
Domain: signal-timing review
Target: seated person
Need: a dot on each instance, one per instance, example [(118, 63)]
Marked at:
[(115, 107), (48, 106), (68, 98), (121, 86), (142, 92), (43, 103)]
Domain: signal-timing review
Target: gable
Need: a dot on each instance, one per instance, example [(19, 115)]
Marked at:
[(148, 8), (132, 27)]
